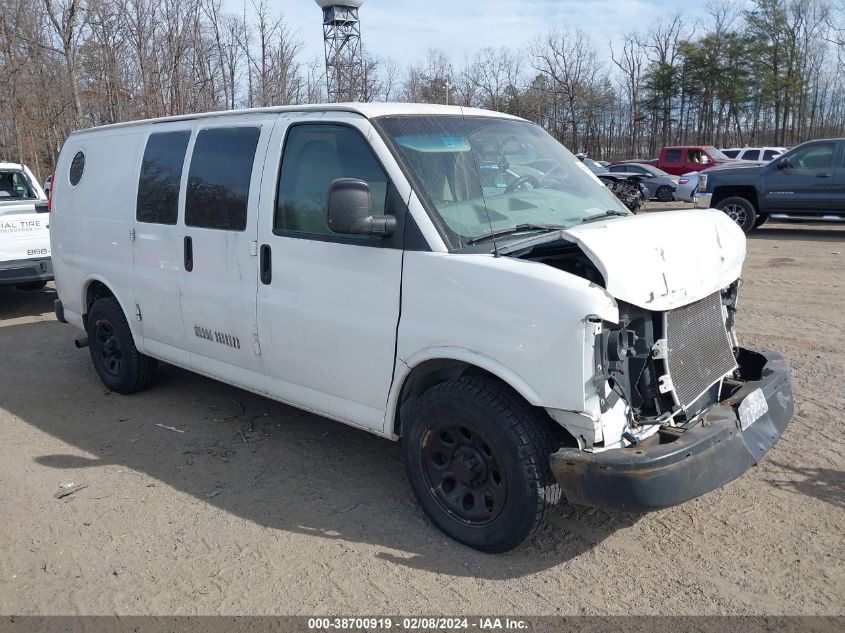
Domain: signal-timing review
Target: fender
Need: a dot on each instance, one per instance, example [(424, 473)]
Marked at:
[(89, 279), (404, 367)]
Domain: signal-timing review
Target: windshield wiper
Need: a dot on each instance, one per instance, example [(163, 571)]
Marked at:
[(528, 226), (606, 214)]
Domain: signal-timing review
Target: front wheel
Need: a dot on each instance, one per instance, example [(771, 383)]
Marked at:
[(740, 211), (477, 458), (120, 365)]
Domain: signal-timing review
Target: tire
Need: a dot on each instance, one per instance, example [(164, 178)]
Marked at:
[(664, 194), (120, 365), (32, 286), (740, 211), (760, 221), (477, 458)]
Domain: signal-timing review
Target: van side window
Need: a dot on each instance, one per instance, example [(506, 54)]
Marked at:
[(219, 177), (161, 174), (313, 157)]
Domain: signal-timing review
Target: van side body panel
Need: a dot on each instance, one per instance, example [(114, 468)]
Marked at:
[(90, 223)]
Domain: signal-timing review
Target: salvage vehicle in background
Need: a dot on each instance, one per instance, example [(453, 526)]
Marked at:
[(524, 338), (627, 186), (688, 183), (24, 235), (807, 183), (658, 183)]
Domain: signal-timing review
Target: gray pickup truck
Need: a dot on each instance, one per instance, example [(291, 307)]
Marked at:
[(807, 183)]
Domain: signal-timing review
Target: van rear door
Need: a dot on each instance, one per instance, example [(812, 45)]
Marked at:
[(219, 250)]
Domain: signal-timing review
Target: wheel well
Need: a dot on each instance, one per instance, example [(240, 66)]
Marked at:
[(721, 193), (95, 290), (427, 374)]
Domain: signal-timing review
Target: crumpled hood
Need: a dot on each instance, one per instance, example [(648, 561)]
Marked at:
[(660, 261)]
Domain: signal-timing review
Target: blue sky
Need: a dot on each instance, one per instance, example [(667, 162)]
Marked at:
[(405, 29)]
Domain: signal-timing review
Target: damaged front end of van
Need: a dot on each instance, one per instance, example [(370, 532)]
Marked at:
[(674, 406)]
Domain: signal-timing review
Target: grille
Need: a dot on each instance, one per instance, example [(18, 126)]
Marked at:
[(698, 351)]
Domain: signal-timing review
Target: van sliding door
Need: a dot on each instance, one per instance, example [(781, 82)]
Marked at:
[(156, 249), (219, 249)]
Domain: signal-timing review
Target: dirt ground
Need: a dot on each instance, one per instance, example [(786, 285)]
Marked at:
[(258, 508)]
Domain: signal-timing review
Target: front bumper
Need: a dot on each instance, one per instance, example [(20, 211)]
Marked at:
[(702, 200), (25, 271), (703, 458)]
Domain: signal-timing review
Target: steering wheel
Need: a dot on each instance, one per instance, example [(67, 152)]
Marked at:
[(516, 184)]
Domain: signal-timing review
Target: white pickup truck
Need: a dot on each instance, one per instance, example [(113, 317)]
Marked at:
[(24, 235)]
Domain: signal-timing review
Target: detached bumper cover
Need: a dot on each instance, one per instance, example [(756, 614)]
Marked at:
[(26, 270), (703, 458)]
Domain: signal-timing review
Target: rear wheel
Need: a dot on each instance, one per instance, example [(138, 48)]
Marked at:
[(740, 211), (120, 365), (664, 193), (32, 286), (477, 457)]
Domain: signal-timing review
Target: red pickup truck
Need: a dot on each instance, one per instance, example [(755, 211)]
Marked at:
[(682, 159)]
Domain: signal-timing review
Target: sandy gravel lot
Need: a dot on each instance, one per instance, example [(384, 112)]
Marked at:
[(258, 508)]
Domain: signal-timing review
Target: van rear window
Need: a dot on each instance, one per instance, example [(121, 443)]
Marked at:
[(219, 177), (161, 173)]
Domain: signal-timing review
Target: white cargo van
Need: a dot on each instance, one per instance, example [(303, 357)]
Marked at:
[(451, 278), (24, 235)]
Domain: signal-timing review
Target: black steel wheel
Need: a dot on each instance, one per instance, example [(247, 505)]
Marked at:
[(477, 458), (462, 472), (107, 346), (118, 363), (740, 211)]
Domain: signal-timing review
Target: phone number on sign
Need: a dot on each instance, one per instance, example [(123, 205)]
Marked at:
[(411, 624)]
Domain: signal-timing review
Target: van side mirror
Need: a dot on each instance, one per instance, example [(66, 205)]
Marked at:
[(350, 210), (783, 163)]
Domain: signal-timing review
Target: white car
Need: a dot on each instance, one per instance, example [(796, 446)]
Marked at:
[(764, 154), (526, 338), (24, 235)]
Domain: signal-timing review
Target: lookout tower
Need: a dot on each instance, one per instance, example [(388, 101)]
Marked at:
[(344, 61)]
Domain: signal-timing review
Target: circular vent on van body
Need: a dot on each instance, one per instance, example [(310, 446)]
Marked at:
[(77, 166)]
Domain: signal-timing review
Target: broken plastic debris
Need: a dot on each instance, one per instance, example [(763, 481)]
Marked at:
[(170, 428), (68, 489)]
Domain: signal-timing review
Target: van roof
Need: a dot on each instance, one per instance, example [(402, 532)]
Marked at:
[(368, 110)]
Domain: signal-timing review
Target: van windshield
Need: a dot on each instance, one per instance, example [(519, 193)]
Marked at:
[(482, 176)]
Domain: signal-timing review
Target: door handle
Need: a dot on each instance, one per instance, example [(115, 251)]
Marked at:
[(189, 254), (822, 175), (266, 264)]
